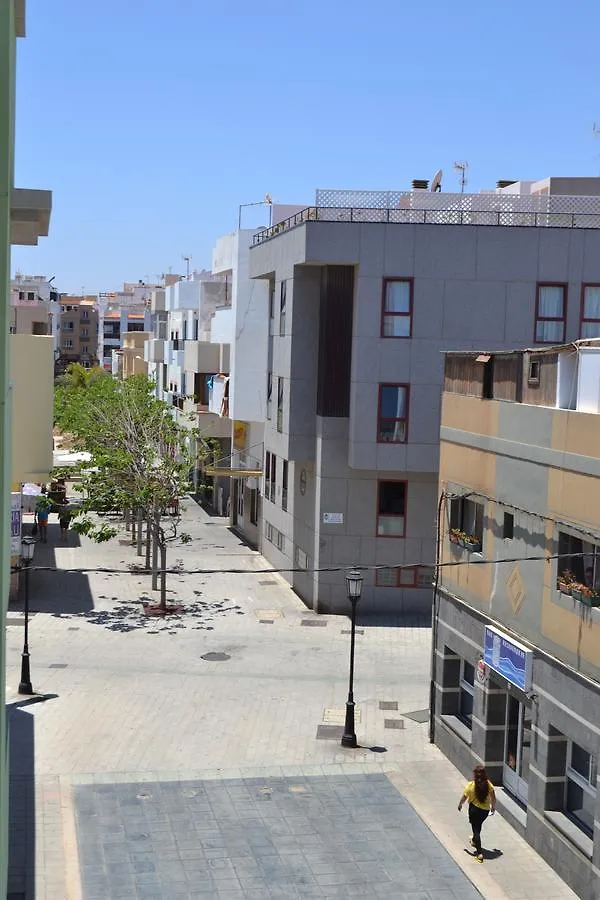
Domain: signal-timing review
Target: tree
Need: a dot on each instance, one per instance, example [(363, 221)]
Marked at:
[(139, 457)]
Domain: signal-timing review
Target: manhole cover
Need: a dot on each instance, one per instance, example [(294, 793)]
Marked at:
[(330, 732), (419, 715), (57, 666), (313, 622), (388, 704), (268, 581), (265, 621), (356, 631), (393, 723), (215, 657)]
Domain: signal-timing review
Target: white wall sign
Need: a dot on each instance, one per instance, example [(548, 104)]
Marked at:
[(333, 518)]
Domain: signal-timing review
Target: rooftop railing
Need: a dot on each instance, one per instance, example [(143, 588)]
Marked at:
[(416, 208)]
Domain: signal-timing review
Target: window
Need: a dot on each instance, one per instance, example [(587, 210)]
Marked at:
[(413, 576), (282, 305), (396, 316), (280, 404), (578, 562), (85, 314), (196, 327), (508, 529), (580, 792), (273, 476), (391, 509), (21, 295), (590, 311), (30, 296), (301, 559), (280, 541), (68, 342), (268, 475), (269, 531), (392, 417), (465, 692), (534, 372), (271, 299), (39, 328), (269, 393), (68, 326), (466, 517), (84, 332), (84, 348), (550, 314), (284, 485), (254, 507)]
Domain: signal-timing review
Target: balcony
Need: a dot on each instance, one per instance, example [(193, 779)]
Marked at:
[(202, 356), (239, 464)]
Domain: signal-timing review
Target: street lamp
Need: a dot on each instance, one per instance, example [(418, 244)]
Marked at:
[(27, 549), (354, 582)]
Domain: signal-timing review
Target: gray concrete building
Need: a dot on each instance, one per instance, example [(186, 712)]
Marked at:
[(516, 637), (366, 290)]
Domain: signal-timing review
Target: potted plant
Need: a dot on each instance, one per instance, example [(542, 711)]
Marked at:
[(565, 581), (461, 538), (589, 596), (454, 535), (472, 543), (577, 590)]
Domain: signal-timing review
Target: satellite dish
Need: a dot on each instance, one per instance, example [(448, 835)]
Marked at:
[(436, 183)]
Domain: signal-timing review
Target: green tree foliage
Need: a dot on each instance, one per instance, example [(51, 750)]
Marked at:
[(140, 458)]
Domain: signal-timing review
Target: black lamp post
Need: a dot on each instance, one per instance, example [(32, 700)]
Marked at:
[(354, 582), (27, 549)]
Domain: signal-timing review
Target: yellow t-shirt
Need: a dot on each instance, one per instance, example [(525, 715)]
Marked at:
[(472, 798)]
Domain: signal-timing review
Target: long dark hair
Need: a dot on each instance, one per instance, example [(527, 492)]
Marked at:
[(482, 787)]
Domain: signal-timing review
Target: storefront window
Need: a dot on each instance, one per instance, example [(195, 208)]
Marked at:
[(581, 788), (465, 702)]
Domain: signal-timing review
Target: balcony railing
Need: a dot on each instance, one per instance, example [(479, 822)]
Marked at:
[(499, 210)]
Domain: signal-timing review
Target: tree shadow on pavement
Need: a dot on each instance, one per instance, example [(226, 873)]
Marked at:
[(126, 616)]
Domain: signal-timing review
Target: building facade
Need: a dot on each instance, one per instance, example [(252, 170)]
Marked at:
[(78, 333), (365, 292), (516, 666)]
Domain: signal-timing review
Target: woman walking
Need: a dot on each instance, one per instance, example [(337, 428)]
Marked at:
[(482, 802)]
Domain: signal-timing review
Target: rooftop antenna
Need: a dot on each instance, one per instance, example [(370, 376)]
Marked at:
[(436, 181), (186, 259), (462, 168)]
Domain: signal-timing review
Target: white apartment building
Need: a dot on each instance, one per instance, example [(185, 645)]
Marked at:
[(35, 307), (366, 290)]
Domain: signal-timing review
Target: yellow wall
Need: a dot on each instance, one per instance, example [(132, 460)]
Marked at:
[(32, 379)]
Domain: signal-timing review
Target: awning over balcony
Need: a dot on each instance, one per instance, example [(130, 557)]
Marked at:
[(239, 464)]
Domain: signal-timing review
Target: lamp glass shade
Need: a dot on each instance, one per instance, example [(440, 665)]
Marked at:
[(354, 582), (27, 548)]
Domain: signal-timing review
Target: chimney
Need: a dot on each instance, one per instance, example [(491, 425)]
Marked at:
[(420, 184), (502, 183)]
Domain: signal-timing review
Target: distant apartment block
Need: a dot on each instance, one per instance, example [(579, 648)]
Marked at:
[(78, 334), (517, 620), (366, 290)]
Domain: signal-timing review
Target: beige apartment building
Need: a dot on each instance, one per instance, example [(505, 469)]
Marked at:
[(516, 666)]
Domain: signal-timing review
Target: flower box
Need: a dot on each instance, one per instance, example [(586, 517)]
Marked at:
[(453, 538), (472, 545), (563, 586), (577, 593)]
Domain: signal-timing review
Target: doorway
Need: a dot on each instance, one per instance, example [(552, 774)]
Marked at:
[(517, 748)]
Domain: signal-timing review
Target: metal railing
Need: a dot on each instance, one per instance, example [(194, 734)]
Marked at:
[(421, 216)]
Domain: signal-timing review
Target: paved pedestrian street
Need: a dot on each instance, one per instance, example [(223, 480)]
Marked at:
[(337, 836), (200, 756)]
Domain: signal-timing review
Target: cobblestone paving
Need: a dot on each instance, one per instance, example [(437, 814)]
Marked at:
[(326, 837)]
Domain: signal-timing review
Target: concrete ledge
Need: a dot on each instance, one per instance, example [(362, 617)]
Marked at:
[(458, 727), (570, 831), (512, 811)]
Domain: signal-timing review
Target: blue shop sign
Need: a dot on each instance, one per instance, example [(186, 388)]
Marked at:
[(508, 658)]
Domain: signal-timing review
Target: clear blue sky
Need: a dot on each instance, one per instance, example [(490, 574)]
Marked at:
[(151, 120)]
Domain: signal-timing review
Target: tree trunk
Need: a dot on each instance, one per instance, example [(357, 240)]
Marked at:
[(140, 532), (127, 517), (163, 576), (156, 526), (132, 528), (148, 541)]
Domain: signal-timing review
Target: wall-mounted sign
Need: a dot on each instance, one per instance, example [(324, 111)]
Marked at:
[(481, 672), (15, 524), (333, 518), (303, 481), (240, 431), (508, 658)]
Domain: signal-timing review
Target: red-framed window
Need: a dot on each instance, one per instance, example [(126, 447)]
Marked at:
[(396, 308), (392, 413), (550, 313), (590, 311), (391, 508), (413, 576)]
